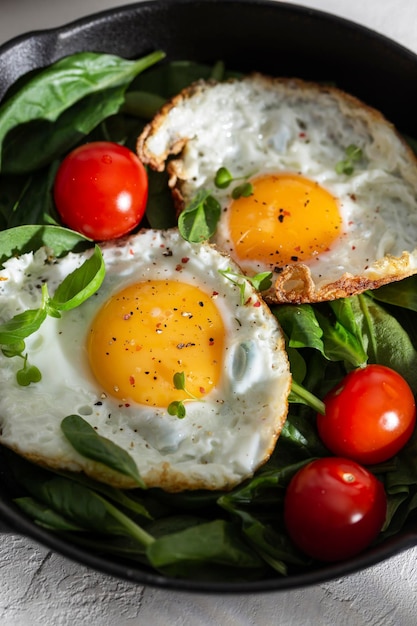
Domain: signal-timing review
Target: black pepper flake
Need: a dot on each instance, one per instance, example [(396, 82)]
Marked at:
[(294, 258), (280, 218)]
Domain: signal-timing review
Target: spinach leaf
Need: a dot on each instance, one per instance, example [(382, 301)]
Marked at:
[(300, 325), (49, 140), (90, 444), (34, 204), (55, 89), (44, 515), (402, 293), (331, 329), (340, 344), (208, 543), (169, 79), (391, 344)]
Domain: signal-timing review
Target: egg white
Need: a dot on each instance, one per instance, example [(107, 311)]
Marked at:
[(261, 125), (219, 442)]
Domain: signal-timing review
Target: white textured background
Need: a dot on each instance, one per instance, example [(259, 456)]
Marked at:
[(38, 587)]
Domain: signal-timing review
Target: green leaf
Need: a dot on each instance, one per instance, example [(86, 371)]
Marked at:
[(342, 337), (160, 210), (210, 542), (346, 166), (261, 281), (82, 283), (198, 221), (28, 374), (302, 395), (142, 104), (21, 325), (44, 515), (50, 140), (14, 349), (53, 90), (391, 344), (177, 408), (223, 178), (93, 446), (179, 380), (33, 203), (401, 294), (300, 325), (242, 191), (28, 238)]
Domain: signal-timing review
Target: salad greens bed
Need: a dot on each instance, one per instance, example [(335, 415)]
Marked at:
[(216, 536)]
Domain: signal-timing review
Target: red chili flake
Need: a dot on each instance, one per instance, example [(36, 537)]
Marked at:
[(353, 247), (214, 294), (301, 135), (297, 249), (178, 268), (127, 405), (132, 380), (248, 300), (257, 304), (185, 259), (131, 252), (202, 390)]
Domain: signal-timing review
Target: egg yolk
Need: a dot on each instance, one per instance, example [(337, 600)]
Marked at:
[(148, 332), (287, 218)]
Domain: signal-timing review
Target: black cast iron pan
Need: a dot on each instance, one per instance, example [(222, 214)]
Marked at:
[(272, 37)]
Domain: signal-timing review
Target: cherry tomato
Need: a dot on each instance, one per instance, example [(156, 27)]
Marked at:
[(101, 190), (334, 508), (369, 416)]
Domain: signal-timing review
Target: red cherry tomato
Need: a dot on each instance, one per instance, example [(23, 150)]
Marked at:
[(369, 416), (101, 190), (334, 508)]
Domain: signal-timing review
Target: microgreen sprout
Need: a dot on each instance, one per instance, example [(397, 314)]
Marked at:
[(261, 281), (177, 406), (74, 289), (28, 373), (224, 178), (346, 166)]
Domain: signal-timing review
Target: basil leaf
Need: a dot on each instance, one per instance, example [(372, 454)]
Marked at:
[(21, 326), (53, 90), (80, 284), (93, 446), (23, 239), (198, 221)]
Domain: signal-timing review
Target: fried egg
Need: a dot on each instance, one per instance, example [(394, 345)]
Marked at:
[(326, 222), (166, 307)]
